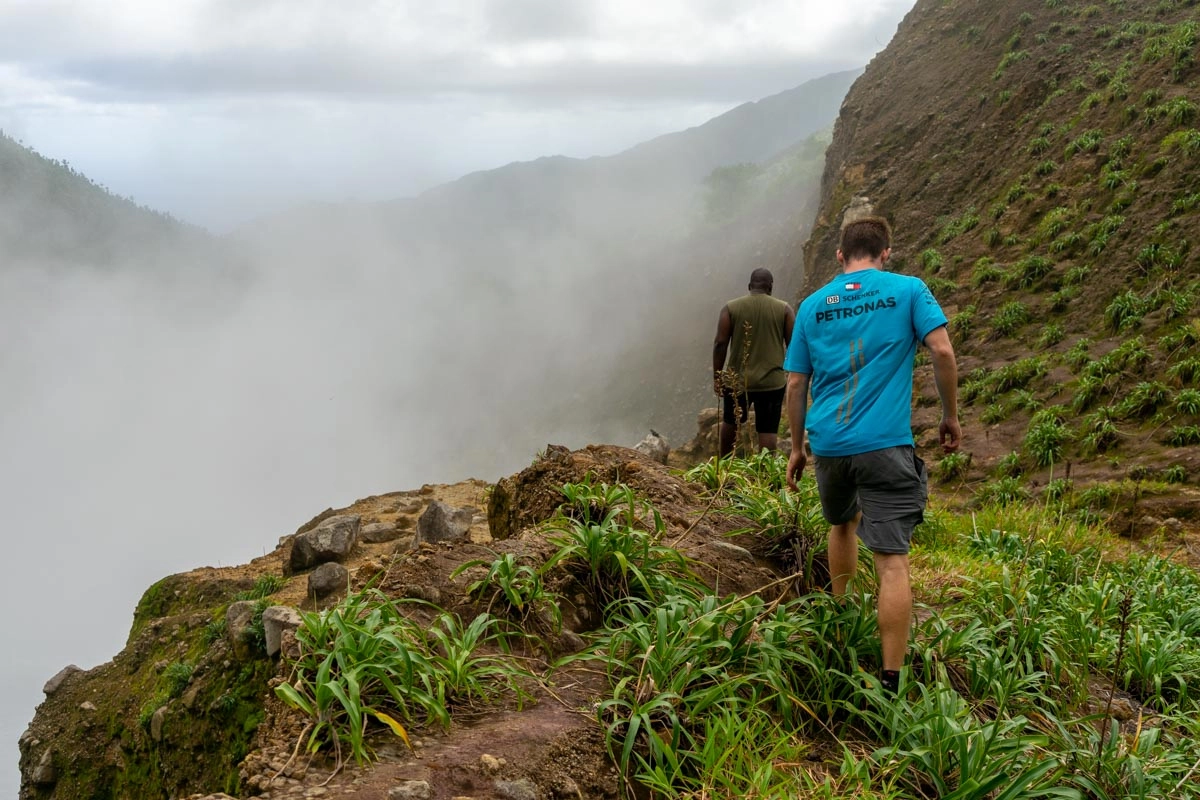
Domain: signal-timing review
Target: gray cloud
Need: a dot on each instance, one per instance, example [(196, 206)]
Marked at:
[(531, 50), (537, 20), (574, 82)]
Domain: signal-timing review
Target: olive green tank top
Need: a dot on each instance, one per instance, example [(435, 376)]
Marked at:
[(758, 323)]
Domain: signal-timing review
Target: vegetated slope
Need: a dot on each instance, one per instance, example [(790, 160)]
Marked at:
[(1038, 159), (53, 216), (612, 630)]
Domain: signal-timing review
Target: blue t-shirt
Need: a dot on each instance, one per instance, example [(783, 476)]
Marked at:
[(857, 337)]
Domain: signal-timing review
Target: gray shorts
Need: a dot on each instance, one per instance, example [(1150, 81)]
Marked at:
[(890, 487)]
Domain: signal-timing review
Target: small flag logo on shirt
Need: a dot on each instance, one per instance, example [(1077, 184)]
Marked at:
[(853, 287)]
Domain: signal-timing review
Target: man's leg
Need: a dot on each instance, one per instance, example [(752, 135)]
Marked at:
[(768, 407), (895, 607), (843, 554)]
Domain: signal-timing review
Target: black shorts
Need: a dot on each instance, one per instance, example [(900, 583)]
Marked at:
[(768, 406), (890, 486)]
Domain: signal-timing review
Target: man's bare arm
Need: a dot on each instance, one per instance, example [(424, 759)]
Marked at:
[(797, 409), (721, 346), (945, 376)]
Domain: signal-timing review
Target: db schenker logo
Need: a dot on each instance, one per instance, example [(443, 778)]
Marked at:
[(833, 299)]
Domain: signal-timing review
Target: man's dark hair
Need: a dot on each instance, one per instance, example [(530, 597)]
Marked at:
[(761, 280), (866, 238)]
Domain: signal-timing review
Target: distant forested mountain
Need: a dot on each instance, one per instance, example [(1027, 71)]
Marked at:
[(52, 216)]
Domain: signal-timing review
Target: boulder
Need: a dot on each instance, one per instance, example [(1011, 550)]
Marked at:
[(410, 790), (44, 774), (332, 540), (521, 789), (239, 628), (442, 523), (378, 532), (276, 620), (157, 720), (654, 446), (731, 549), (55, 683), (327, 579)]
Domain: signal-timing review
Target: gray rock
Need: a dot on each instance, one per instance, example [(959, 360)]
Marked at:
[(87, 705), (332, 540), (378, 532), (410, 506), (410, 790), (784, 446), (327, 579), (44, 774), (238, 619), (566, 787), (441, 523), (276, 620), (156, 724), (523, 789), (654, 446), (55, 683), (1173, 525), (569, 642), (405, 545), (731, 549)]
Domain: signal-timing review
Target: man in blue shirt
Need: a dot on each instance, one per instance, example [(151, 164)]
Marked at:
[(853, 344)]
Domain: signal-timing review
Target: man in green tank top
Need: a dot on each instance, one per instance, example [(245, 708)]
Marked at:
[(753, 333)]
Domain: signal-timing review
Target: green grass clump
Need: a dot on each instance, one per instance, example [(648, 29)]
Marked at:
[(995, 412), (941, 287), (953, 467), (955, 228), (931, 260), (1087, 142), (986, 271), (264, 586), (1185, 372), (1184, 435), (962, 323), (1187, 402), (1125, 311), (988, 385), (1009, 58), (1028, 271), (516, 591), (602, 540), (1011, 317), (1003, 492), (1144, 400), (1051, 335), (366, 659), (177, 676), (1046, 437)]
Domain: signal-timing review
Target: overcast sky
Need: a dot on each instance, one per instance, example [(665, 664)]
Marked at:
[(220, 110)]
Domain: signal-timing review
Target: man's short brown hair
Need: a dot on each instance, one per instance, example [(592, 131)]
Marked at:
[(865, 238)]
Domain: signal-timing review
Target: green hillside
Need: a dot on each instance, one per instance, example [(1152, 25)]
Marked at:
[(1039, 161), (54, 216)]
